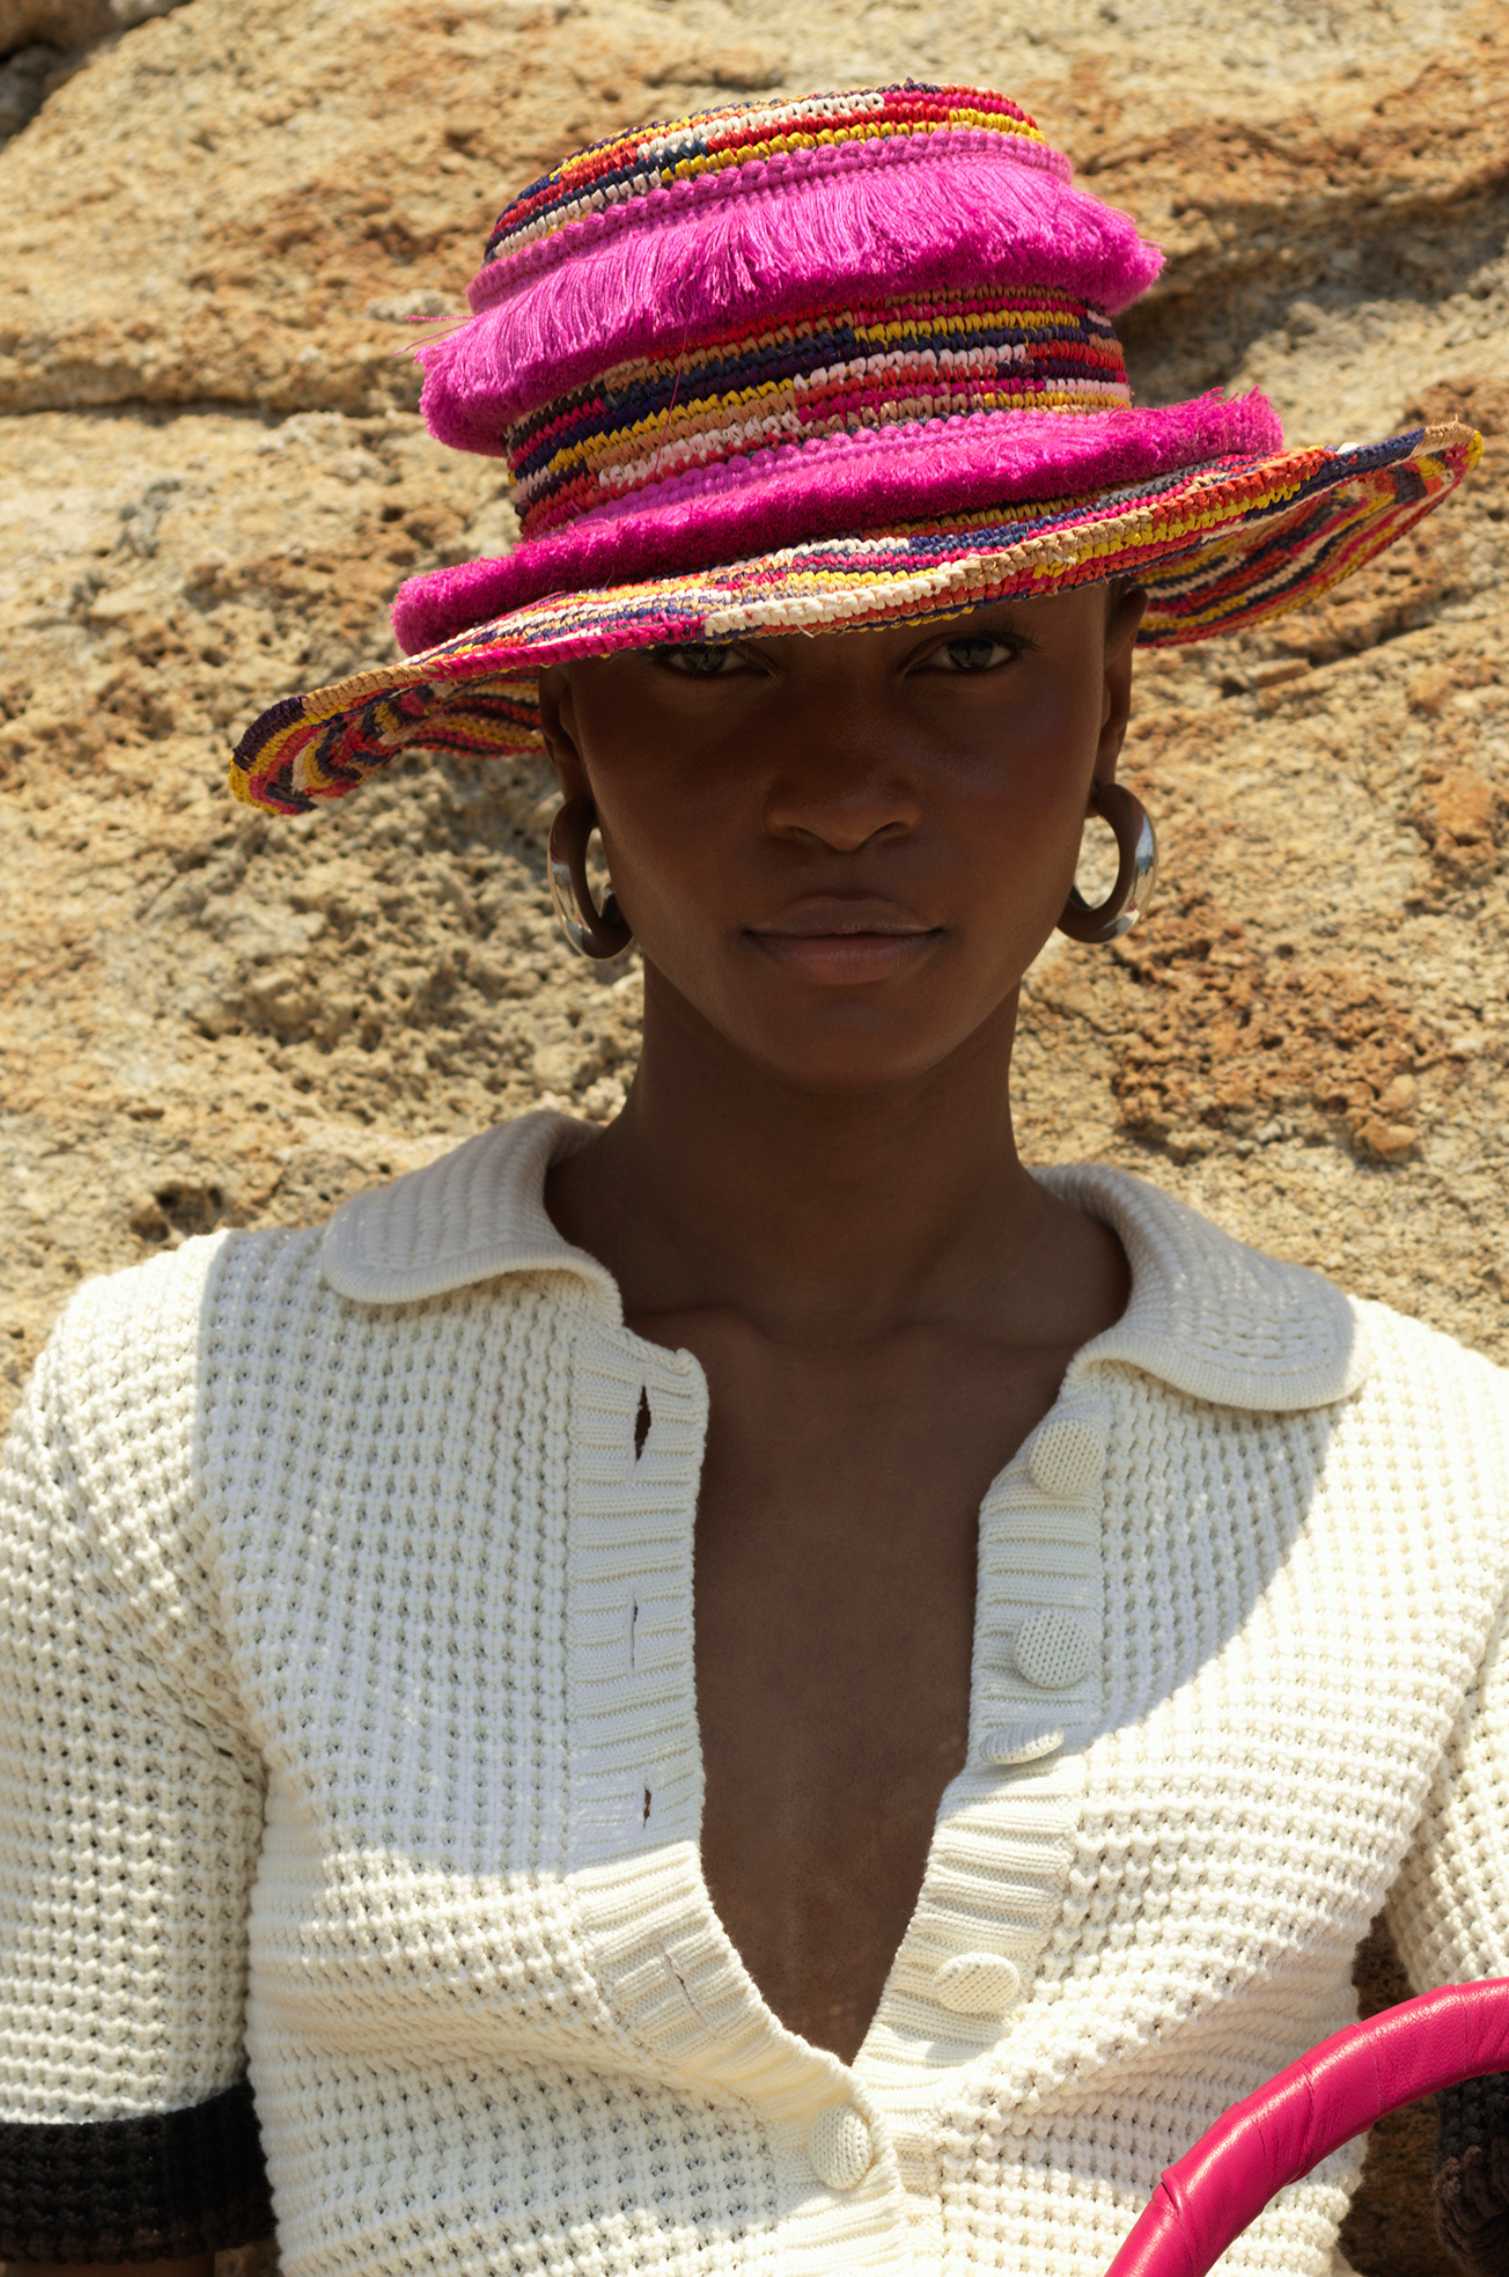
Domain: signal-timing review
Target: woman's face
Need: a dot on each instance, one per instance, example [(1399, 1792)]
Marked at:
[(944, 768)]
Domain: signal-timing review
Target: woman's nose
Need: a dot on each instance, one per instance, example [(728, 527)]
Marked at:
[(844, 793)]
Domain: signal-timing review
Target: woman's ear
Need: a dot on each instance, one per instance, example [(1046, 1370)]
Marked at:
[(1124, 612), (1125, 608), (557, 725)]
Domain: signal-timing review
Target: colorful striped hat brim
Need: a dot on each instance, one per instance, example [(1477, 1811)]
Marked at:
[(1217, 547)]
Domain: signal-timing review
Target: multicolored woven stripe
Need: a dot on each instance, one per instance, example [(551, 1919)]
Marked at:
[(658, 152), (919, 355), (1218, 546)]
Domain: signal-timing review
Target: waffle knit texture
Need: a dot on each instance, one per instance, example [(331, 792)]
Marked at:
[(350, 1779)]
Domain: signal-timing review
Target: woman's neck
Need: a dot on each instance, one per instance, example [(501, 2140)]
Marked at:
[(834, 1217)]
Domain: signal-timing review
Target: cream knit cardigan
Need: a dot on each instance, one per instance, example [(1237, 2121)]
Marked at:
[(349, 1766)]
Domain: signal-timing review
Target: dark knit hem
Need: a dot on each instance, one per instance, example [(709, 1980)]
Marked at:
[(1472, 2175), (161, 2188)]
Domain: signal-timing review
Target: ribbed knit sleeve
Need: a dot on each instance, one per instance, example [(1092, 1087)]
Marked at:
[(1448, 1913), (131, 1804)]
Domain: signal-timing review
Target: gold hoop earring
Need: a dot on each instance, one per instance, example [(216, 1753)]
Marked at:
[(594, 932), (1136, 873)]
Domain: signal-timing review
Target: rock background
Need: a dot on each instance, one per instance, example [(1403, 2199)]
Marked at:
[(216, 223)]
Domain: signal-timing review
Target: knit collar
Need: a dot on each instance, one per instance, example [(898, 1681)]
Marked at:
[(1208, 1313)]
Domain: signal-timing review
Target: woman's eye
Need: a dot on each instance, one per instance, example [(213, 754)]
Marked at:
[(689, 651), (978, 641)]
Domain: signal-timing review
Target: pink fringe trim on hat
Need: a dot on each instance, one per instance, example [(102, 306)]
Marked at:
[(795, 492), (674, 266), (787, 173)]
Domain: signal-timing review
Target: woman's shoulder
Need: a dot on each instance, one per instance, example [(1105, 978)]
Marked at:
[(1413, 1345), (164, 1292), (117, 1307), (1232, 1314), (1416, 1376), (1407, 1421), (1434, 1404), (459, 1211), (130, 1340), (1274, 1322)]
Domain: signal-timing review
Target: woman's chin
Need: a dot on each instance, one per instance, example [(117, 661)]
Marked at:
[(821, 1032)]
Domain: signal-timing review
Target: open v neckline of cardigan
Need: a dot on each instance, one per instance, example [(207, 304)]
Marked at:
[(1008, 1715)]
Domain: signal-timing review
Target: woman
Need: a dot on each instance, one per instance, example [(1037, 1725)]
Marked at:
[(1096, 1622)]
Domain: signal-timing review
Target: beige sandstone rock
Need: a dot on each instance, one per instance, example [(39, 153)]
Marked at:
[(213, 235)]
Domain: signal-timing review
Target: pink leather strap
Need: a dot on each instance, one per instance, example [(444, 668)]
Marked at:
[(1309, 2109)]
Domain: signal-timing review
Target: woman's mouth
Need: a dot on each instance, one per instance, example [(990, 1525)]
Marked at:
[(847, 957)]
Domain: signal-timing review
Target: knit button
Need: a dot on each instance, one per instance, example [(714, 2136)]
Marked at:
[(978, 1984), (1021, 1743), (840, 2147), (1052, 1649), (1067, 1458)]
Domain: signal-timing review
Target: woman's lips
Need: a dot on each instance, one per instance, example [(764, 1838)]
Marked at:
[(846, 956)]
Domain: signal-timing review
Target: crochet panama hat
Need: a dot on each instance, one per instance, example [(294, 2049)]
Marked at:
[(823, 364)]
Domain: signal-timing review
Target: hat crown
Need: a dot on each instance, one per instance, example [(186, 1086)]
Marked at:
[(699, 421), (771, 322), (678, 256), (736, 146)]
